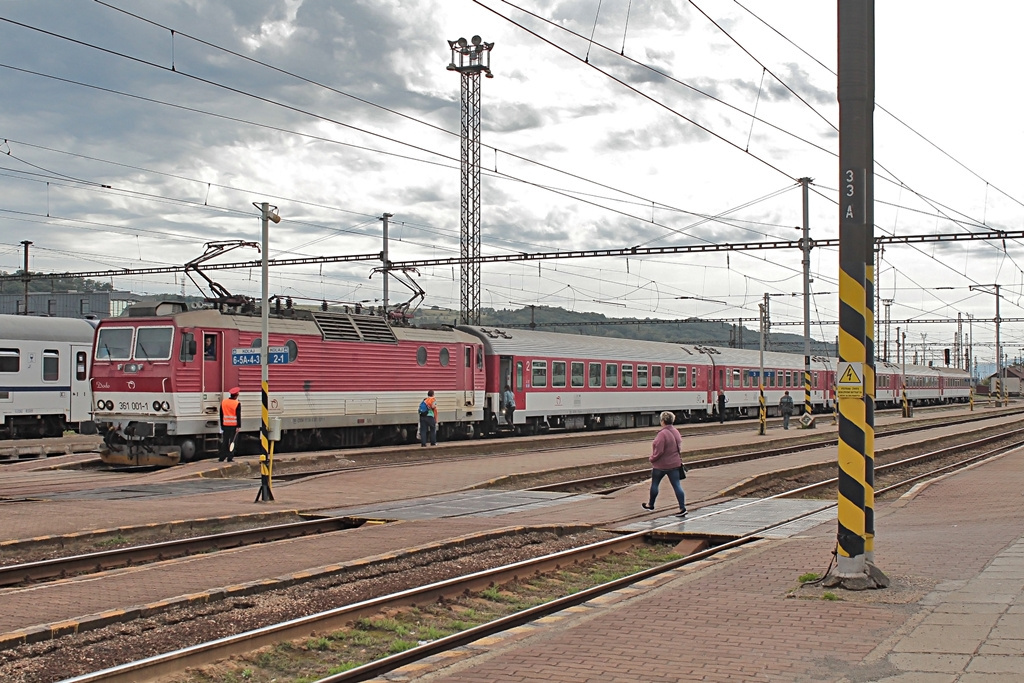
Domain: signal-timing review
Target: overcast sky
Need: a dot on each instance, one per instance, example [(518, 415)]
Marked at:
[(131, 141)]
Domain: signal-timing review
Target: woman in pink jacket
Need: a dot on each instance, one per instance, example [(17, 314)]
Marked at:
[(665, 460)]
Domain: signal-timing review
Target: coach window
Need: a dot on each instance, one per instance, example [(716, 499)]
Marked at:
[(746, 379), (595, 376), (10, 360), (815, 379), (540, 373), (444, 357), (670, 377), (656, 376), (51, 307), (558, 373), (519, 375), (641, 375), (153, 343), (693, 376), (577, 374), (736, 378), (51, 365), (611, 375), (114, 343), (421, 355), (627, 376), (81, 369)]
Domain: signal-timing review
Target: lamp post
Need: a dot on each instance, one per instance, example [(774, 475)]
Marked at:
[(267, 213)]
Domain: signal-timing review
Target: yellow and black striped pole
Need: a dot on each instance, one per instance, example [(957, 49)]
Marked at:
[(869, 402), (856, 241), (807, 424), (970, 396), (762, 411)]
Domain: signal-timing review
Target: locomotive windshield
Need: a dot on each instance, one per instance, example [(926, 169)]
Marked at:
[(153, 343), (114, 343)]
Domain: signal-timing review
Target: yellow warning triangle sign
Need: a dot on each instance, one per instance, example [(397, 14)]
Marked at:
[(850, 376)]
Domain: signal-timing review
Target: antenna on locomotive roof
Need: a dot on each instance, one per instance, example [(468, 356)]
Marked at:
[(221, 295)]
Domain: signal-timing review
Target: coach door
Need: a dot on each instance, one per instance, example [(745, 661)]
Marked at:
[(80, 402), (214, 356)]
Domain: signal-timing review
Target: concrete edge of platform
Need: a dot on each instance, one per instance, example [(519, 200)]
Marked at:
[(51, 631), (23, 543)]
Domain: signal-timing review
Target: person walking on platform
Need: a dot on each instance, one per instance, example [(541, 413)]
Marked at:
[(721, 405), (428, 420), (230, 421), (509, 399), (665, 461), (786, 408)]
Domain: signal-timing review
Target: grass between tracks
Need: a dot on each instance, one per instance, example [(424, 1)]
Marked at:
[(402, 628)]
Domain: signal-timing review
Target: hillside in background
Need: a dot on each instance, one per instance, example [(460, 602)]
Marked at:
[(693, 331)]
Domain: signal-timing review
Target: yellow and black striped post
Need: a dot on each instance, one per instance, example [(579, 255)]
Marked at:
[(265, 493), (762, 411), (806, 424), (971, 397), (856, 251)]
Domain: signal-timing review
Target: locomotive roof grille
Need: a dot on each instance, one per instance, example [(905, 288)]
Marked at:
[(347, 327)]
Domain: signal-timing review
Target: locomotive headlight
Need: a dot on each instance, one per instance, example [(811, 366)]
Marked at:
[(165, 405), (101, 404), (156, 405), (110, 405)]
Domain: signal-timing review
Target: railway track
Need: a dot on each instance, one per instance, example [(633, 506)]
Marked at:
[(179, 660), (64, 567)]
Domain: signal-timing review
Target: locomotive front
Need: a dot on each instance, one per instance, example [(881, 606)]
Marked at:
[(133, 398)]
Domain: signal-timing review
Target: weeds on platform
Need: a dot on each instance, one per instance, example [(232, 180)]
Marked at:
[(397, 630)]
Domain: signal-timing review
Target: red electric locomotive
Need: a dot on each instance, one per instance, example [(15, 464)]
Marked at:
[(336, 379)]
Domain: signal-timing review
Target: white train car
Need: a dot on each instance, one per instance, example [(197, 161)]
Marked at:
[(44, 375)]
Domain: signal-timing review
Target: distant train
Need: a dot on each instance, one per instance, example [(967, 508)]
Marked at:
[(44, 375), (160, 371)]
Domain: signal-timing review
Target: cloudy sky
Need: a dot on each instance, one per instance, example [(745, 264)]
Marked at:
[(136, 132)]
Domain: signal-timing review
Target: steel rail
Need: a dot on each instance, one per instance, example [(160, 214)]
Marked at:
[(32, 572)]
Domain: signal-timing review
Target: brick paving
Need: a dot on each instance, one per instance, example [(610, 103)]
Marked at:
[(954, 614)]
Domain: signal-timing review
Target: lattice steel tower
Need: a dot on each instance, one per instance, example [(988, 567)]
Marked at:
[(470, 59)]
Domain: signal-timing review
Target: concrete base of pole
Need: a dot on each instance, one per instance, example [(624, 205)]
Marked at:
[(870, 577)]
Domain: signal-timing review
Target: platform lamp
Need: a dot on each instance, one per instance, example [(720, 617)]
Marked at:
[(267, 213)]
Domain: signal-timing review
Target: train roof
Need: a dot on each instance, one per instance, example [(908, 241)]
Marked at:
[(330, 325), (503, 341), (27, 327)]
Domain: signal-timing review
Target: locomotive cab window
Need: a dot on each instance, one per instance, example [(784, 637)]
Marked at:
[(210, 347), (114, 343), (51, 365), (558, 373), (188, 347), (153, 343), (10, 360), (693, 376)]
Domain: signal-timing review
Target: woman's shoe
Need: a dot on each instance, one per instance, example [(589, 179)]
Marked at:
[(645, 506), (681, 514)]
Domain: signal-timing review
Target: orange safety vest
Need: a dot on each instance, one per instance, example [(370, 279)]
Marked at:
[(229, 407)]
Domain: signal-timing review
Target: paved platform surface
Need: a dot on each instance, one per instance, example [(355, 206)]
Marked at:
[(70, 600), (954, 550)]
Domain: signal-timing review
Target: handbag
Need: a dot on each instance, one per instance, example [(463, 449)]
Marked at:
[(682, 471)]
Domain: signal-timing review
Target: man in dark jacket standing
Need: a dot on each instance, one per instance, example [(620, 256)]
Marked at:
[(786, 408)]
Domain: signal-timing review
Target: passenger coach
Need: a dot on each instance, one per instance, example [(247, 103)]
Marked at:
[(44, 375)]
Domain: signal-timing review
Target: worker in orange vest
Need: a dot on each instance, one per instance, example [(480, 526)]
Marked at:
[(230, 421)]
